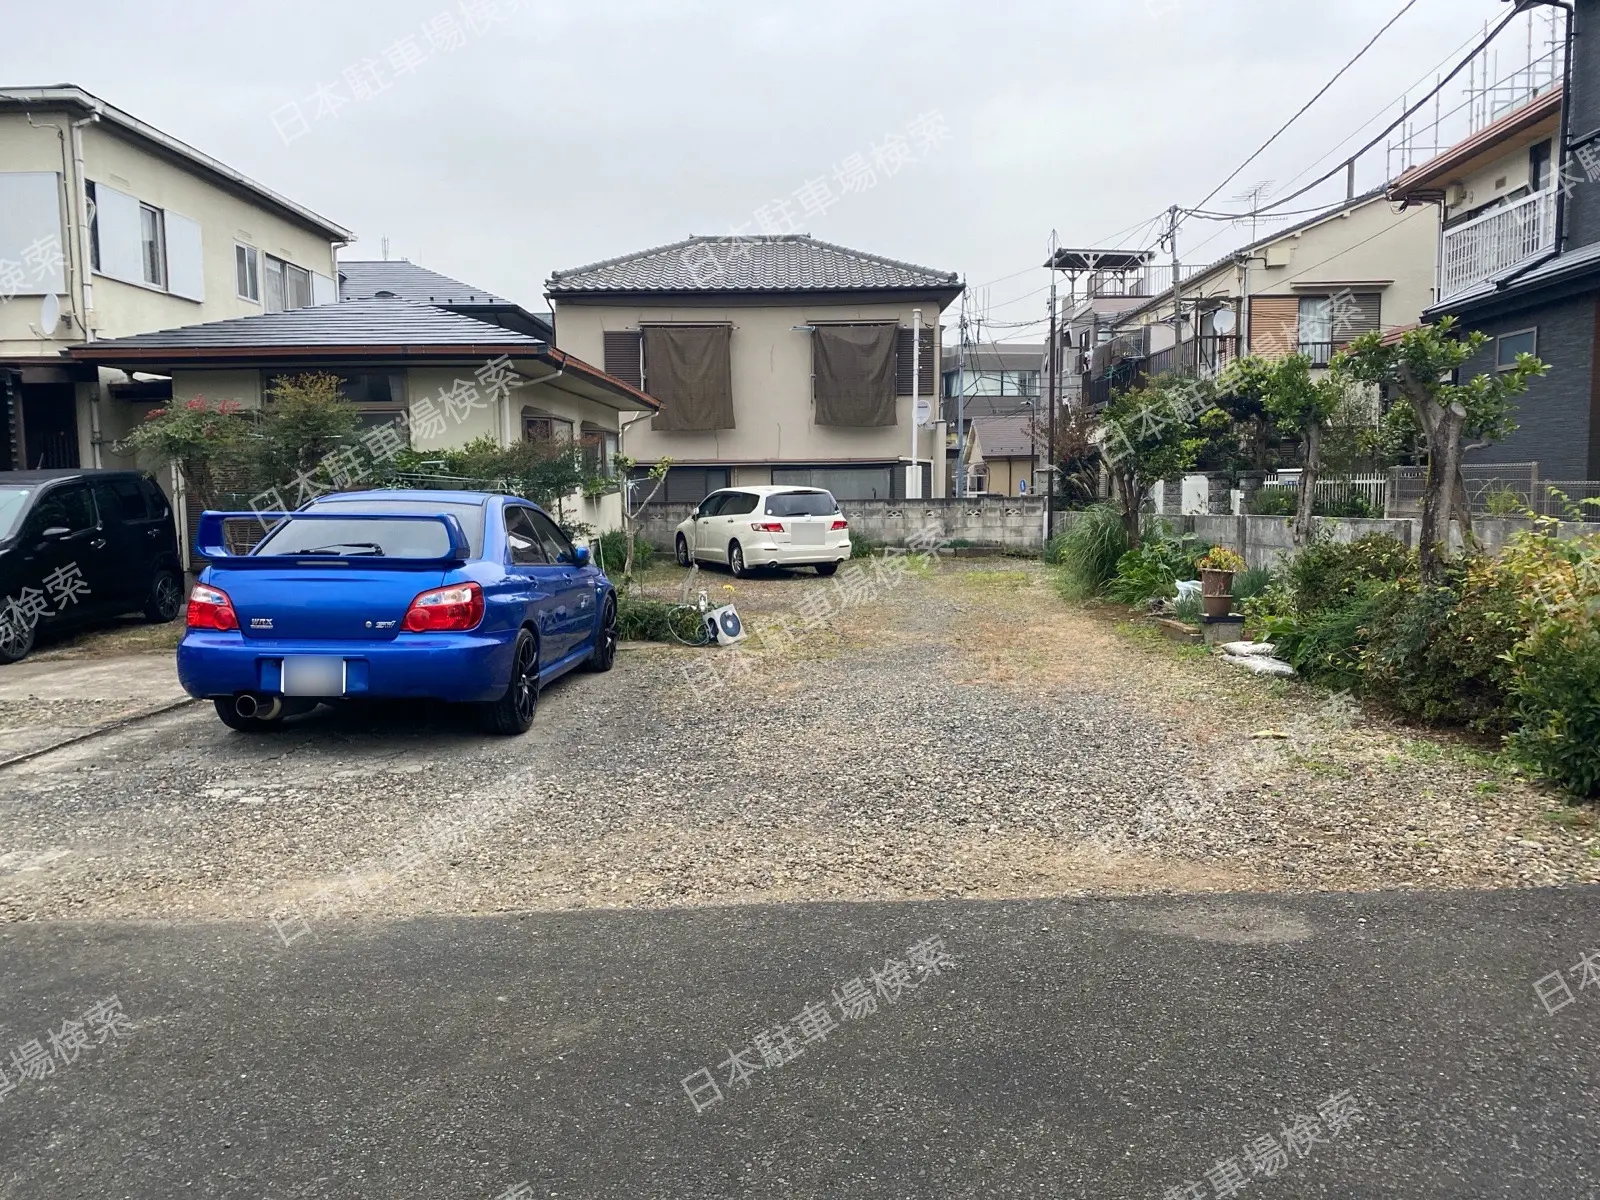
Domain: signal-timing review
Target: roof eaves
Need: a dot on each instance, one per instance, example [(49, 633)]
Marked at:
[(72, 95)]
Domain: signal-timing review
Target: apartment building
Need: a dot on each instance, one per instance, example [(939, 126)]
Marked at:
[(1520, 260)]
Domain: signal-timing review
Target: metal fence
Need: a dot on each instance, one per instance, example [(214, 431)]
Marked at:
[(1373, 490), (1505, 489)]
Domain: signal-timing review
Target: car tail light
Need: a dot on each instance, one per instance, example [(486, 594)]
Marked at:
[(210, 608), (452, 609), (767, 526), (841, 523)]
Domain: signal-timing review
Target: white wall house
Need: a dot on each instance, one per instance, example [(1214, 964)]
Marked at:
[(110, 227)]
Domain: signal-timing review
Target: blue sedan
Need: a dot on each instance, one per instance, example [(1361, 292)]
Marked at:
[(455, 596)]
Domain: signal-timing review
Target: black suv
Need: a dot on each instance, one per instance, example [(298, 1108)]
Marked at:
[(83, 546)]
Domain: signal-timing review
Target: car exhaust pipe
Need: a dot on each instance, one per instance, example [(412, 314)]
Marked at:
[(261, 708)]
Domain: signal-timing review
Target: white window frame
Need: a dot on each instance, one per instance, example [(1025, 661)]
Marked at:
[(284, 267), (252, 265), (1511, 333), (159, 224)]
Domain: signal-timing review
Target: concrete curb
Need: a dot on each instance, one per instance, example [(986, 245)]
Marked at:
[(96, 732)]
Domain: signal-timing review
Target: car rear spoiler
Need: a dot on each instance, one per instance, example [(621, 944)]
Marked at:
[(210, 542)]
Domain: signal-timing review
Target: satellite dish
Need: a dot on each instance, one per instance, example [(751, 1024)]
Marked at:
[(49, 315), (1222, 321)]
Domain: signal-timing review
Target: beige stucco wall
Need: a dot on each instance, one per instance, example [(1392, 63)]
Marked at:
[(771, 367), (1366, 244), (119, 161)]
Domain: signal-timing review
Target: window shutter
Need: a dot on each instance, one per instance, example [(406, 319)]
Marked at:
[(186, 275), (323, 289), (121, 234), (30, 220), (622, 350), (902, 371), (1355, 314), (1274, 325)]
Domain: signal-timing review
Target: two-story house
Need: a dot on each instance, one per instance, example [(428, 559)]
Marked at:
[(110, 227), (776, 360), (1520, 259), (1309, 288)]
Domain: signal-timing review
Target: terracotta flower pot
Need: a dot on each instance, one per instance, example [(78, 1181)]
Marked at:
[(1216, 592)]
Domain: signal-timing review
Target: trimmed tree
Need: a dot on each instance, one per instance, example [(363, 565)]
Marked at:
[(1148, 434), (206, 441), (1452, 417)]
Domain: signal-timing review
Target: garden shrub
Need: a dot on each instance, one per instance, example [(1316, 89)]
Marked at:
[(1251, 583), (1273, 501), (1442, 653), (1555, 678), (1326, 574), (611, 548), (640, 619), (1089, 550), (1155, 567)]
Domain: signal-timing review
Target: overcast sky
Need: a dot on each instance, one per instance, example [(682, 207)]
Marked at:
[(566, 132)]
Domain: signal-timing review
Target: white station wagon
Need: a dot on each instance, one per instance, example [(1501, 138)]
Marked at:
[(750, 527)]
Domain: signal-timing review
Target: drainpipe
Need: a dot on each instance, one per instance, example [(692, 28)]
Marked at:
[(80, 188)]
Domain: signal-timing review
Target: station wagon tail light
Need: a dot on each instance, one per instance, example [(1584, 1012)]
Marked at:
[(841, 523), (767, 526), (210, 608), (452, 609)]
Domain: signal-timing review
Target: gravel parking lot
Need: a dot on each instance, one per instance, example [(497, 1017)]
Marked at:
[(962, 733)]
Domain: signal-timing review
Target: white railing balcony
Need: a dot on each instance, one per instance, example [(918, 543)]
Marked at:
[(1485, 246)]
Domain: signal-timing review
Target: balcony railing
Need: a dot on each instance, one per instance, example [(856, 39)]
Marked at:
[(1485, 246), (1205, 355)]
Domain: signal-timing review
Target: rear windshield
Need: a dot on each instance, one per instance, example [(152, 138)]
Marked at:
[(802, 504), (12, 501), (470, 515)]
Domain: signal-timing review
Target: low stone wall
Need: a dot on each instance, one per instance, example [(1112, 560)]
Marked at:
[(997, 522)]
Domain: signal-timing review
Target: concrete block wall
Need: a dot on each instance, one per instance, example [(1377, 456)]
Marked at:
[(1001, 522)]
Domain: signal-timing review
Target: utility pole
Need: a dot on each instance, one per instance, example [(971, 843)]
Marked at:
[(913, 472), (1177, 287), (961, 404), (1053, 369)]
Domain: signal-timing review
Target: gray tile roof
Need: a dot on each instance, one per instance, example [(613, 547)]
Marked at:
[(794, 262), (359, 324), (363, 280), (1005, 437)]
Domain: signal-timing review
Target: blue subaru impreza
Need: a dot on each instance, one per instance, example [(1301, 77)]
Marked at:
[(455, 596)]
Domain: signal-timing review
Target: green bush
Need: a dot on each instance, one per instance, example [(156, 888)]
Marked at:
[(1555, 669), (1274, 501), (1089, 550), (1326, 574), (611, 548), (1247, 585), (1443, 653), (1327, 644), (1352, 505), (1154, 568), (640, 619), (1557, 703)]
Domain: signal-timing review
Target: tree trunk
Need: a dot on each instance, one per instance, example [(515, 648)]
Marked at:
[(1441, 428), (1463, 509), (1132, 499), (1307, 500)]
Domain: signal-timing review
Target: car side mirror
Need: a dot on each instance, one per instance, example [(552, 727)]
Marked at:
[(580, 556)]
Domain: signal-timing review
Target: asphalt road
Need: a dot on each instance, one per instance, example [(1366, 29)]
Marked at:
[(1085, 1048)]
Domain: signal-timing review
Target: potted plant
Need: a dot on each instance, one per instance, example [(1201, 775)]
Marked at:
[(1217, 568)]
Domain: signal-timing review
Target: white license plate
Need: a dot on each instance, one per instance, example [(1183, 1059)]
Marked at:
[(810, 534), (313, 675)]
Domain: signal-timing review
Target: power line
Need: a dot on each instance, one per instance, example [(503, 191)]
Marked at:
[(1321, 92), (1395, 124)]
